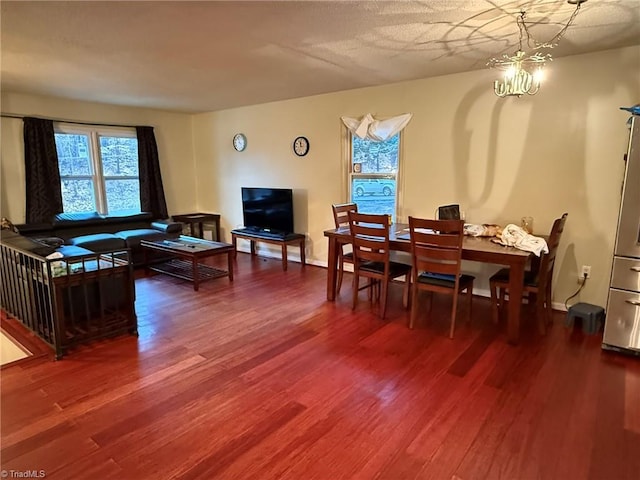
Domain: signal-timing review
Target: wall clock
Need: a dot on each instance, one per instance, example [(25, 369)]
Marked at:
[(301, 146), (239, 142)]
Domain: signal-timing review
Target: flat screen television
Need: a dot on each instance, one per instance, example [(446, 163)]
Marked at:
[(268, 210)]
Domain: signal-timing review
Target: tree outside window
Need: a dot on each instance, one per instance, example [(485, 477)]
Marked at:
[(98, 170), (374, 174)]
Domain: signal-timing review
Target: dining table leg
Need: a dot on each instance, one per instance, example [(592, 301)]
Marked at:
[(516, 287), (332, 269)]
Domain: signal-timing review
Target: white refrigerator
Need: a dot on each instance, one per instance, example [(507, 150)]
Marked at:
[(622, 324)]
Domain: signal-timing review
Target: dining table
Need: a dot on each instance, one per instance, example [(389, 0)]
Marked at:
[(476, 249)]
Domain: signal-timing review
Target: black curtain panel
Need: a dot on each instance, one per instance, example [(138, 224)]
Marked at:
[(151, 190), (44, 192)]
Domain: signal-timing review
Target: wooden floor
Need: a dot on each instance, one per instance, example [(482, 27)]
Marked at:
[(264, 379)]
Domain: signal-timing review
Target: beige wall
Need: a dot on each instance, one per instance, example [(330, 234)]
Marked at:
[(173, 134), (558, 151)]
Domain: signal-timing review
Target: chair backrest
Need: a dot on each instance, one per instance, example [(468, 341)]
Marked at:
[(449, 212), (436, 246), (370, 237), (549, 259), (341, 213)]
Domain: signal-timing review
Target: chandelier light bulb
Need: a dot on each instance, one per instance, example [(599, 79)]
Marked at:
[(510, 72), (517, 79)]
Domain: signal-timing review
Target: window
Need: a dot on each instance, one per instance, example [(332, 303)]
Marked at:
[(374, 174), (98, 169)]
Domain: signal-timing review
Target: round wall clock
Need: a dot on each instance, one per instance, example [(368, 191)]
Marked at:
[(301, 146), (239, 142)]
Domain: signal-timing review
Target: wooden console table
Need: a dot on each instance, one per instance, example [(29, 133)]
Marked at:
[(193, 219), (254, 237)]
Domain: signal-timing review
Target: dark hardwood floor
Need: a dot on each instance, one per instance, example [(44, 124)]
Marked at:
[(264, 379)]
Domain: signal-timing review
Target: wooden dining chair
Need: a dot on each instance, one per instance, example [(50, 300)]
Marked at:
[(436, 253), (370, 236), (341, 219), (537, 281)]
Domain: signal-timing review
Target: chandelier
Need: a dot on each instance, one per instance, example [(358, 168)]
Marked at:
[(523, 72)]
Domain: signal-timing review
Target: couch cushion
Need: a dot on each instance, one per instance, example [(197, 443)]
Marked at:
[(136, 217), (133, 237), (169, 227), (40, 229), (88, 218), (73, 251), (99, 242)]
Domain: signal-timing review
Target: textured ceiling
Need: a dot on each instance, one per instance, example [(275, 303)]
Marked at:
[(206, 56)]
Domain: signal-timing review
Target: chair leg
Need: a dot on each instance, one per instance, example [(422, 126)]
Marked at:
[(414, 307), (469, 301), (405, 294), (356, 283), (548, 299), (383, 300), (503, 298), (541, 314), (340, 273), (494, 301), (454, 309)]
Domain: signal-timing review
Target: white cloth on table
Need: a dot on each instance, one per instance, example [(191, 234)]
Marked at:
[(515, 236)]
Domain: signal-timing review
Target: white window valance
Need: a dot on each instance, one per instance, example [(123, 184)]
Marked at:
[(377, 130)]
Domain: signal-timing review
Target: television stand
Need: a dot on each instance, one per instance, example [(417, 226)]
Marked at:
[(256, 236)]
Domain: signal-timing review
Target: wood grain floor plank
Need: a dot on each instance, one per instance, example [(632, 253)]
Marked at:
[(263, 378), (615, 452), (57, 453), (632, 398), (217, 421), (217, 461), (92, 467)]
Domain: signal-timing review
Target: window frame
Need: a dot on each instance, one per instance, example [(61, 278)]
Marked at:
[(350, 174), (97, 177)]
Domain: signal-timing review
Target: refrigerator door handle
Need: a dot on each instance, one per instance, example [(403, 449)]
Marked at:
[(635, 269), (633, 302)]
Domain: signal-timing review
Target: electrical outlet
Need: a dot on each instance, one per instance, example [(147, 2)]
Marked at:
[(586, 271)]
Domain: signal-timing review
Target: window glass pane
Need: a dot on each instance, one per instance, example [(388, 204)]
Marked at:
[(374, 194), (119, 156), (78, 196), (375, 157), (123, 196), (73, 154), (374, 175)]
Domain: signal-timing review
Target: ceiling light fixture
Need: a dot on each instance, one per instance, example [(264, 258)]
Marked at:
[(523, 72)]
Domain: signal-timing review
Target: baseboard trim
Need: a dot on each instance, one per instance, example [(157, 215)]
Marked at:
[(266, 252)]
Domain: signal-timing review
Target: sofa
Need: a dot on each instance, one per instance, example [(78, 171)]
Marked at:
[(73, 234)]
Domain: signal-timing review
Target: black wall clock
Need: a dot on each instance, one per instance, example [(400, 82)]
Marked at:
[(301, 146)]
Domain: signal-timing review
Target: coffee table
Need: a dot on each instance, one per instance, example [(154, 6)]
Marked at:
[(188, 253)]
